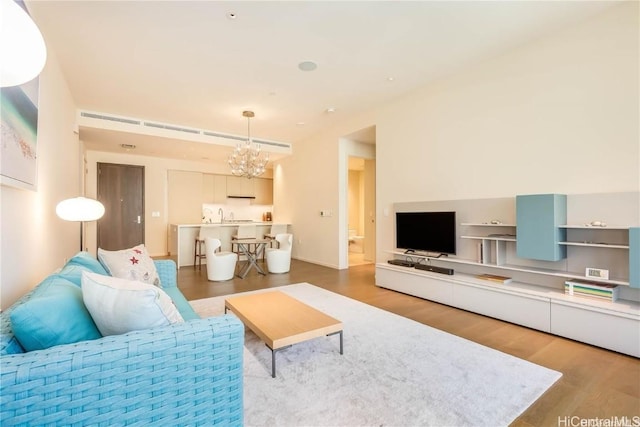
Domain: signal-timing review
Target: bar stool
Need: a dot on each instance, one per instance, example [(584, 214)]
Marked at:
[(199, 250), (245, 231)]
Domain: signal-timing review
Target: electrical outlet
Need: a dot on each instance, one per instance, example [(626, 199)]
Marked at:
[(155, 214)]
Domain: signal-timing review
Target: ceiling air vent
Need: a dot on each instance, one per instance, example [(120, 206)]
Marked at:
[(171, 127), (222, 135), (110, 118), (275, 145)]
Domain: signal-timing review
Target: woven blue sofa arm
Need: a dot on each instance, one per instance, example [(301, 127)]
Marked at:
[(167, 271), (184, 374)]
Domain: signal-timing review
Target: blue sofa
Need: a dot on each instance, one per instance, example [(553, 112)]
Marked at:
[(184, 374)]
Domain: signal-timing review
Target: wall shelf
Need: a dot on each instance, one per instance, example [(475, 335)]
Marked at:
[(595, 245), (485, 224), (591, 227), (492, 238)]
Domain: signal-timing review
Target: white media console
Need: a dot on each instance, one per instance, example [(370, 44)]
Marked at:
[(535, 297)]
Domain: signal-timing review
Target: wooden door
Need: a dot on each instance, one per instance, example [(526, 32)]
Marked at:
[(121, 191)]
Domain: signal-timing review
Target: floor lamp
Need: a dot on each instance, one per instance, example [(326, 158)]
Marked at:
[(22, 49), (80, 209)]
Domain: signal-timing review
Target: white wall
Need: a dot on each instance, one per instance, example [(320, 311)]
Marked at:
[(34, 241), (559, 114)]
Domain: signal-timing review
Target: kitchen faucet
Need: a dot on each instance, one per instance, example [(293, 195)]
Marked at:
[(221, 213)]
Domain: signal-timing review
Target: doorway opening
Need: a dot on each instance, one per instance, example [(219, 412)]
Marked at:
[(358, 221)]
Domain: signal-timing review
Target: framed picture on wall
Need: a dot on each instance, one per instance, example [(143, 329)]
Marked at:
[(18, 141)]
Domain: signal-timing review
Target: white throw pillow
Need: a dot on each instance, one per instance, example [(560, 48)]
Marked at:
[(118, 306), (131, 264)]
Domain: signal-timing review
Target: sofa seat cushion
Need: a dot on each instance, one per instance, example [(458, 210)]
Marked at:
[(131, 264), (119, 306), (55, 315)]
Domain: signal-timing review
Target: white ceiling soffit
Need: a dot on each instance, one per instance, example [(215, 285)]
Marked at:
[(133, 131)]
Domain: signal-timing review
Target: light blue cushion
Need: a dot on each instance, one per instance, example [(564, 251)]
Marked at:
[(85, 259), (73, 273), (181, 304), (55, 316)]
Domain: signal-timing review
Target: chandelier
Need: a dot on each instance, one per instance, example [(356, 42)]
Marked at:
[(247, 159)]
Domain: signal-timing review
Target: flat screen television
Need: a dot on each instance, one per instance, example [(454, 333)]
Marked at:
[(433, 232)]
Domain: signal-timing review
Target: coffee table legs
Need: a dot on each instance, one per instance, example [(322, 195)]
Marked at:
[(339, 332), (273, 352), (273, 359)]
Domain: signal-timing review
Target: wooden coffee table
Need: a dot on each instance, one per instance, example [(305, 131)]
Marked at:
[(281, 321)]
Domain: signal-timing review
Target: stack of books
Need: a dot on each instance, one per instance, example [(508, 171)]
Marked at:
[(594, 290), (494, 278)]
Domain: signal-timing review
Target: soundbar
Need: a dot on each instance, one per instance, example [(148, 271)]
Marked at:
[(401, 263), (433, 269)]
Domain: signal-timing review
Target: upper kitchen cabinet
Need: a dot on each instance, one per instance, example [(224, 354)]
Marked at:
[(214, 188), (264, 191), (240, 187), (185, 197)]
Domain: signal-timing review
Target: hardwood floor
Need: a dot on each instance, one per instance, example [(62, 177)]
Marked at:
[(596, 383)]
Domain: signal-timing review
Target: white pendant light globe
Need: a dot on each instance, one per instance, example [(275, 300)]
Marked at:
[(80, 209), (22, 49)]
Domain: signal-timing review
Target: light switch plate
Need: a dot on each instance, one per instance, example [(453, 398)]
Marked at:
[(597, 273)]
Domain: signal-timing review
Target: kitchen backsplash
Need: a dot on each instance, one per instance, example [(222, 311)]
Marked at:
[(234, 209)]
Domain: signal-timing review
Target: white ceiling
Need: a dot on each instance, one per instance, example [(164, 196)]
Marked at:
[(187, 63)]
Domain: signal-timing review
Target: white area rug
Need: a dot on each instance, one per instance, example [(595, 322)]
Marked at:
[(394, 372)]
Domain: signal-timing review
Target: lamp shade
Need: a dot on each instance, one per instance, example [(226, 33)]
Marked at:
[(22, 49), (80, 209)]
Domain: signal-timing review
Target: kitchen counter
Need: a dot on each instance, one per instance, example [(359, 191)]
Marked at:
[(182, 237), (233, 223)]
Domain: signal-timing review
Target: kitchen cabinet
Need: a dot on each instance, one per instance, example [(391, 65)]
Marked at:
[(185, 196), (240, 187), (214, 188), (263, 188)]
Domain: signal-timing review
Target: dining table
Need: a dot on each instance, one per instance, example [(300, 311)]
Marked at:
[(244, 247)]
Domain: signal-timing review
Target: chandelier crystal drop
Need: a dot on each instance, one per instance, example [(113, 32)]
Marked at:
[(247, 159)]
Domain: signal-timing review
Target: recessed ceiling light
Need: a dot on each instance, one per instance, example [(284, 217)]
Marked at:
[(331, 110), (231, 15), (300, 124), (390, 79), (307, 66)]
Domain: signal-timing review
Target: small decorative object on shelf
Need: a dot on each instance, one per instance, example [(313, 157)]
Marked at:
[(596, 224), (494, 278), (597, 273), (593, 290)]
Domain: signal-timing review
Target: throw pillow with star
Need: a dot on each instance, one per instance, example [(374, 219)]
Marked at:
[(131, 264)]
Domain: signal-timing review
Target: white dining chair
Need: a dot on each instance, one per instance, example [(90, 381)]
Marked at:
[(220, 265), (271, 235), (279, 259)]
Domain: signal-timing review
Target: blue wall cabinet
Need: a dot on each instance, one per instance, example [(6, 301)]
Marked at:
[(634, 257), (538, 217)]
